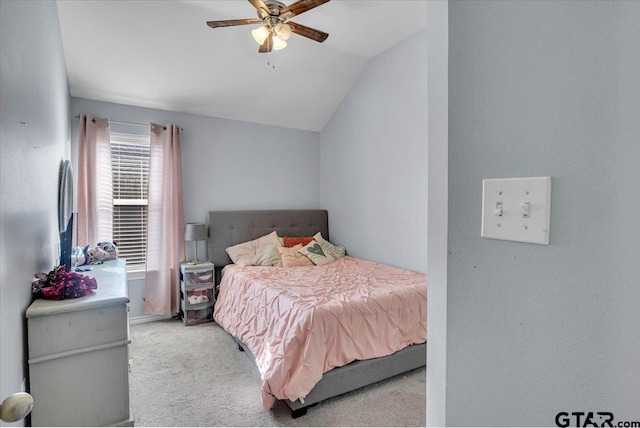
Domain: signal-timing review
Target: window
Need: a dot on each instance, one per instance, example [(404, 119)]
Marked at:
[(130, 165)]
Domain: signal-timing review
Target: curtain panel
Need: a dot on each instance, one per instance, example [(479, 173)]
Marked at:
[(165, 224), (95, 188)]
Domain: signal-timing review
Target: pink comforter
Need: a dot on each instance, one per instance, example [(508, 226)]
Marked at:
[(300, 322)]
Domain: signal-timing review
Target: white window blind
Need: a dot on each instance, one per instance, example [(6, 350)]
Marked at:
[(130, 165)]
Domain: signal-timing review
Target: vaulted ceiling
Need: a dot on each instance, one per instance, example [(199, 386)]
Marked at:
[(161, 54)]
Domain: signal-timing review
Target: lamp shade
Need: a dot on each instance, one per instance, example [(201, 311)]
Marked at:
[(283, 31), (260, 34), (195, 232), (278, 44)]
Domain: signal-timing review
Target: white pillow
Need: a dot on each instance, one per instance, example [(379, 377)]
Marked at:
[(243, 254), (267, 255), (335, 251), (316, 253)]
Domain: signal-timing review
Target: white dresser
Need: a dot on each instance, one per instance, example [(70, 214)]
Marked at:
[(79, 354)]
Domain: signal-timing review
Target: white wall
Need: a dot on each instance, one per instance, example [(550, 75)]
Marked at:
[(545, 88), (34, 139), (226, 164), (374, 160), (437, 215)]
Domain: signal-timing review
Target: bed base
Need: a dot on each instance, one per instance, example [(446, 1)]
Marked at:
[(355, 375)]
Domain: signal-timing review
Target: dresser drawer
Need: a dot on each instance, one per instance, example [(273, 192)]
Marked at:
[(88, 389), (200, 277), (196, 314), (197, 295), (69, 331)]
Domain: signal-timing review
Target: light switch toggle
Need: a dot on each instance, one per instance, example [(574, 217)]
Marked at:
[(498, 210), (526, 209)]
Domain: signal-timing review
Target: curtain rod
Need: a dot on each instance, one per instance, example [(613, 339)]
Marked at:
[(77, 116)]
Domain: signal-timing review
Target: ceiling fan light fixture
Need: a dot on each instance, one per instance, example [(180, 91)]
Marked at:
[(278, 43), (275, 28), (283, 31), (260, 34)]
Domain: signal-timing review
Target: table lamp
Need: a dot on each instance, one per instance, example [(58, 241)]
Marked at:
[(195, 232)]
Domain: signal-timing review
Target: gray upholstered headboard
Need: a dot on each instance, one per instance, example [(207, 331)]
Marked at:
[(228, 228)]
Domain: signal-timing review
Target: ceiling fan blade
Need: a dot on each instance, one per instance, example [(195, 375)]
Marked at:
[(232, 22), (300, 6), (261, 7), (308, 32), (267, 46)]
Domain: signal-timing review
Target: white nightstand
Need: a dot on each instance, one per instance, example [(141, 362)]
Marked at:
[(197, 294)]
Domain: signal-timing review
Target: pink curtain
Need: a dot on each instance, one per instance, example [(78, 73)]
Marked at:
[(95, 189), (165, 225)]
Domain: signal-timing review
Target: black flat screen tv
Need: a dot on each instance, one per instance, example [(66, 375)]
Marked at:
[(66, 242)]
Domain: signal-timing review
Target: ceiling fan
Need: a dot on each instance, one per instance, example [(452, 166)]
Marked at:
[(276, 27)]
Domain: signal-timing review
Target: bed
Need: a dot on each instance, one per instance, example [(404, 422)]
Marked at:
[(228, 228)]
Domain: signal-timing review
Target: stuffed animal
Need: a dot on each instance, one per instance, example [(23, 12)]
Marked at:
[(110, 248), (78, 256), (95, 255)]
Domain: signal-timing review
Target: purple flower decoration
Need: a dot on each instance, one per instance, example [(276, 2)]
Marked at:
[(62, 284)]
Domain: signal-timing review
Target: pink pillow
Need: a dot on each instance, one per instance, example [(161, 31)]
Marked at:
[(291, 257)]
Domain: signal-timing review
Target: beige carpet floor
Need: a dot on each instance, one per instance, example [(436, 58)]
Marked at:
[(195, 376)]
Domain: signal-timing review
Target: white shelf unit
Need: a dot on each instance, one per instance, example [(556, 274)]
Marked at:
[(197, 293)]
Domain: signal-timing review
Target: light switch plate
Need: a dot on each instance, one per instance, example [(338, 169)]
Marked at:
[(504, 209)]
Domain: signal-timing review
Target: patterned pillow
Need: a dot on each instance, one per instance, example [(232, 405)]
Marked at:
[(335, 251), (243, 254), (316, 253), (292, 241), (291, 257)]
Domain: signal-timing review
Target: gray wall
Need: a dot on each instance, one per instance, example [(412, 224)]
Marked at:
[(437, 214), (374, 160), (227, 164), (545, 88), (34, 139)]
